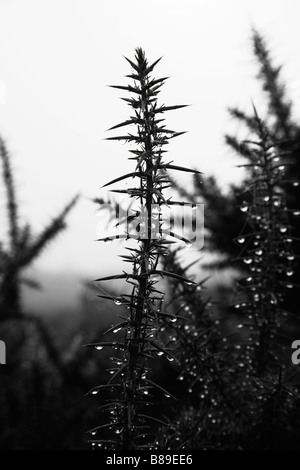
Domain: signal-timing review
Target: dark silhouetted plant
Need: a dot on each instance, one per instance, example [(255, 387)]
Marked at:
[(130, 383), (23, 248), (268, 248)]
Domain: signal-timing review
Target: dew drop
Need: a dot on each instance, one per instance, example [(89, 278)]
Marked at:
[(283, 229), (248, 260), (240, 325), (167, 395), (173, 320), (180, 378), (289, 272), (281, 168), (259, 252), (291, 257), (170, 359), (160, 353), (94, 392), (296, 184), (189, 283), (117, 330), (296, 213), (118, 302), (244, 208), (194, 207), (241, 240), (249, 279), (98, 348), (266, 198)]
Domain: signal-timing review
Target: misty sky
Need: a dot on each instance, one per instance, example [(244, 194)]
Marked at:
[(57, 58)]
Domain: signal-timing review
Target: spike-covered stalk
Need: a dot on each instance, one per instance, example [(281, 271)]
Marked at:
[(268, 248), (129, 381)]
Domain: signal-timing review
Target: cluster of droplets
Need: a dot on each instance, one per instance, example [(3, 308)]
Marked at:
[(266, 252), (200, 346)]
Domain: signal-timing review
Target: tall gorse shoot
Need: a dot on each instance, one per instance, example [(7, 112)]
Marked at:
[(130, 383), (268, 249)]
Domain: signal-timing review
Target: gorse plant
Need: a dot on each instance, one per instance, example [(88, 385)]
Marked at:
[(130, 384), (268, 249), (23, 248), (235, 368), (231, 364)]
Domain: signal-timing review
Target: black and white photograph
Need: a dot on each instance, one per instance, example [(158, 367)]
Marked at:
[(149, 227)]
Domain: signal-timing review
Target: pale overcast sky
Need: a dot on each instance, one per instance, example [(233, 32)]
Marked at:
[(56, 58)]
